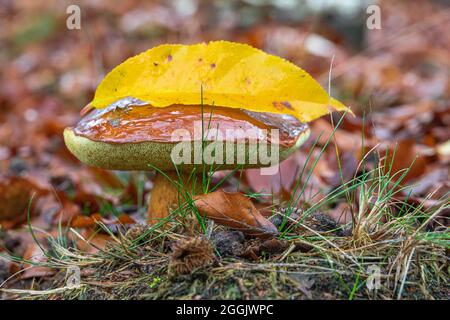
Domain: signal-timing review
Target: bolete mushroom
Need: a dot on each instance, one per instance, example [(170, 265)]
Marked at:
[(132, 136), (152, 111)]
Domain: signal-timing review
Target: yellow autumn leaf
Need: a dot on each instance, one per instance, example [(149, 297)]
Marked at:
[(230, 74)]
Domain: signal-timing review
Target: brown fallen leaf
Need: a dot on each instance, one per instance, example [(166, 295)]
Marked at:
[(236, 211), (346, 141), (94, 241), (15, 196), (405, 156), (34, 255), (81, 221)]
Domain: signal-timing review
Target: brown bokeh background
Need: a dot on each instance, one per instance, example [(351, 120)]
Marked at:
[(396, 80)]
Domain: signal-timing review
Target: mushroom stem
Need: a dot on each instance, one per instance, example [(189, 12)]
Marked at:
[(167, 193)]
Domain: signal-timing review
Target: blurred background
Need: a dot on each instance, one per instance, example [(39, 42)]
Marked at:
[(396, 80)]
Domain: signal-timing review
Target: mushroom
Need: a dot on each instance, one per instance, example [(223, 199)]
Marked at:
[(133, 135), (147, 115)]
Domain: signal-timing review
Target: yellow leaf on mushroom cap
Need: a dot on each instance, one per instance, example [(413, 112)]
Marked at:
[(231, 75)]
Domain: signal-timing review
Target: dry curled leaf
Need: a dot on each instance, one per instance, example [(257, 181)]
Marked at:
[(34, 259), (81, 221), (15, 196), (232, 75), (234, 210), (93, 241), (404, 157), (190, 254)]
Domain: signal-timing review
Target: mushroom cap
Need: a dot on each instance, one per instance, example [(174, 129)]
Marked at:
[(141, 137)]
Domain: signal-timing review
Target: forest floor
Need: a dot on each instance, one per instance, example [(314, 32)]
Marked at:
[(362, 208)]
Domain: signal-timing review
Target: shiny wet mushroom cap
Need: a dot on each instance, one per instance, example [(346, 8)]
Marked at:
[(141, 137)]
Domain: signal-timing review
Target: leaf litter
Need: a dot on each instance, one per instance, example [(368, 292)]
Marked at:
[(398, 87)]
